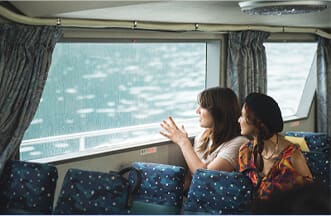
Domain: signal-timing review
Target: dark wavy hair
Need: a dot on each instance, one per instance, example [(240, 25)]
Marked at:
[(264, 114), (263, 134), (223, 105)]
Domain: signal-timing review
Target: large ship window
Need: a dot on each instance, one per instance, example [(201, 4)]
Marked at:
[(102, 96), (288, 68)]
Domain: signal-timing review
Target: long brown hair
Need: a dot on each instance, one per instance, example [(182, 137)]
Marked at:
[(223, 105)]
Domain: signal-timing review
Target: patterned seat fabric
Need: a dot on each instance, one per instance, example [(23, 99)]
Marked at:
[(318, 142), (27, 188), (161, 189), (91, 192), (318, 158), (219, 192), (319, 164)]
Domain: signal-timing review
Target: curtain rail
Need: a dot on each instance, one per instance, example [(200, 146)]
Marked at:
[(159, 26)]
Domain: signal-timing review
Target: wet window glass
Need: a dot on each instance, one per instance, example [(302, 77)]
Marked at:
[(108, 95)]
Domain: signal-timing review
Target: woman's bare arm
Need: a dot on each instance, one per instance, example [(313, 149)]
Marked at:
[(180, 137), (300, 165)]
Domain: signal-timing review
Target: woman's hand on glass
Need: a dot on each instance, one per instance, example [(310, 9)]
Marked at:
[(171, 131)]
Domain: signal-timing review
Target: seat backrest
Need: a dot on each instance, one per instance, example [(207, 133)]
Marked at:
[(27, 188), (219, 192), (92, 192), (319, 142), (318, 156), (161, 189), (320, 166)]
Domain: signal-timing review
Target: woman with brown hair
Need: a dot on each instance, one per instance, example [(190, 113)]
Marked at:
[(271, 162), (217, 146)]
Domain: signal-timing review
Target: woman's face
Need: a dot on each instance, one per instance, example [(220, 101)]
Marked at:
[(246, 128), (205, 118)]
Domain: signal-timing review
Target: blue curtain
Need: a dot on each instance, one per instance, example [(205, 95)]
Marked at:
[(323, 92), (25, 58), (246, 63)]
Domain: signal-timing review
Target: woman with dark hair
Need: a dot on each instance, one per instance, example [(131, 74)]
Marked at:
[(217, 146), (271, 162)]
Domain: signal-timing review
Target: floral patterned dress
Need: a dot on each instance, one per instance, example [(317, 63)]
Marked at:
[(281, 176)]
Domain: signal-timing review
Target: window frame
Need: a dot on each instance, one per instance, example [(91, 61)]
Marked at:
[(309, 89), (214, 69)]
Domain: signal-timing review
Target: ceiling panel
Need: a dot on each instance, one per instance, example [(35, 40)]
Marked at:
[(217, 12)]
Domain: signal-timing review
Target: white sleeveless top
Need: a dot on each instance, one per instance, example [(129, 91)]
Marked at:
[(228, 150)]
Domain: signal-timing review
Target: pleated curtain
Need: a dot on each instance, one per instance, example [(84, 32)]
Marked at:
[(25, 58), (246, 63)]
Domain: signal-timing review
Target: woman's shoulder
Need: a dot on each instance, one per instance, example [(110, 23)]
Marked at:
[(240, 140), (291, 149), (235, 142), (247, 147)]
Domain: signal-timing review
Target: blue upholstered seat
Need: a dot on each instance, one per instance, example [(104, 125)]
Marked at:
[(219, 192), (92, 192), (319, 164), (318, 158), (27, 188), (318, 142), (161, 189)]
